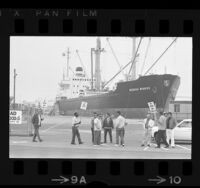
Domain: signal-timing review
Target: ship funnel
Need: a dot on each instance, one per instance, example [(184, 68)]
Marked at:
[(98, 51)]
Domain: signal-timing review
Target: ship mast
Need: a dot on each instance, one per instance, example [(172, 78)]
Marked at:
[(133, 65)]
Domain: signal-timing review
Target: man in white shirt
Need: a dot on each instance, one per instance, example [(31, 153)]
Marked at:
[(120, 131), (75, 131), (147, 125), (97, 130)]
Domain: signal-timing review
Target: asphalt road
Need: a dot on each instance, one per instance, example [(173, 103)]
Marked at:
[(56, 135)]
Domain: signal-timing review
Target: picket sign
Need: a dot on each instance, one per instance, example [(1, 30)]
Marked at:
[(83, 105), (15, 117)]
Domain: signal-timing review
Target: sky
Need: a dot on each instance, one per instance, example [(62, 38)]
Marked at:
[(39, 61)]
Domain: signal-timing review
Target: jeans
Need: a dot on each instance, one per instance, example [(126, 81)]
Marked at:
[(109, 131), (120, 134), (75, 132), (161, 135)]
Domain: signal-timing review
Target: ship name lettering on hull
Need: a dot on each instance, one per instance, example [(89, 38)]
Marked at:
[(139, 89)]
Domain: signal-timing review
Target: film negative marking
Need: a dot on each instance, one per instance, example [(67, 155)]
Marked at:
[(90, 167), (163, 168), (66, 167), (42, 167), (67, 26), (18, 167), (187, 168), (19, 26), (139, 168), (188, 26), (164, 26), (115, 168)]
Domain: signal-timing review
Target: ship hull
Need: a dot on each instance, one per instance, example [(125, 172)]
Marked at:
[(130, 97)]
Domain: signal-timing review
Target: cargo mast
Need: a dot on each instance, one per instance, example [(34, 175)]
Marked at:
[(133, 65)]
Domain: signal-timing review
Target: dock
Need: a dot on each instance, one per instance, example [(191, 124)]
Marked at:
[(56, 134)]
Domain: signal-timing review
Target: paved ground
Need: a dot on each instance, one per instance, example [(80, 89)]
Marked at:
[(56, 133)]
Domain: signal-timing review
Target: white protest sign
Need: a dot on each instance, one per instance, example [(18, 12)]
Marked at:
[(83, 105), (152, 106), (15, 117)]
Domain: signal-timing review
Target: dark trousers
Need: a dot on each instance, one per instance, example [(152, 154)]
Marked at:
[(75, 133), (120, 134), (92, 130), (161, 135), (36, 133), (109, 131)]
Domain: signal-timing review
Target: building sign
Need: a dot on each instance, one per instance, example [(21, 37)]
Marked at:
[(83, 105), (152, 106), (15, 117)]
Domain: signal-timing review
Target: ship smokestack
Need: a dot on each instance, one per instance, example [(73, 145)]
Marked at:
[(98, 51)]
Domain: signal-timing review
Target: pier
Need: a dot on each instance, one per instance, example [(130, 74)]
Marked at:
[(56, 135)]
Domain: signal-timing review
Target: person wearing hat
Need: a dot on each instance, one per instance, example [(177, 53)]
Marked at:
[(75, 131), (37, 121)]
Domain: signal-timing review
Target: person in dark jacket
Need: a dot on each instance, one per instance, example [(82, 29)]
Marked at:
[(170, 125), (36, 121), (108, 126)]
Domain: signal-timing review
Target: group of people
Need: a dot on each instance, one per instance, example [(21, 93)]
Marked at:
[(98, 123), (166, 124)]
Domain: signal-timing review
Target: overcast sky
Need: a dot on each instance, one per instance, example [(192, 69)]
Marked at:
[(39, 62)]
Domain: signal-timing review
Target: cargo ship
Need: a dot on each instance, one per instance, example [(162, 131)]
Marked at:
[(87, 95)]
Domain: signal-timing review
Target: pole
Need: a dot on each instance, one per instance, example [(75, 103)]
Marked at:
[(68, 52), (14, 89), (92, 49)]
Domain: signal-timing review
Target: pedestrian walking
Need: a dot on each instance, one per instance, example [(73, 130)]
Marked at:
[(37, 122), (97, 130), (92, 125), (147, 125), (161, 131), (108, 126), (170, 125), (76, 122), (120, 130)]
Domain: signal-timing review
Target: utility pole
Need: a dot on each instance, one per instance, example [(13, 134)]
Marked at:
[(92, 76), (64, 54), (68, 52), (14, 89)]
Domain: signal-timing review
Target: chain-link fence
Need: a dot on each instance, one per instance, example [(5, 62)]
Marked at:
[(26, 127)]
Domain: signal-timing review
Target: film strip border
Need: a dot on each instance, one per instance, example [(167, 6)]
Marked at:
[(105, 23), (100, 22), (114, 172)]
